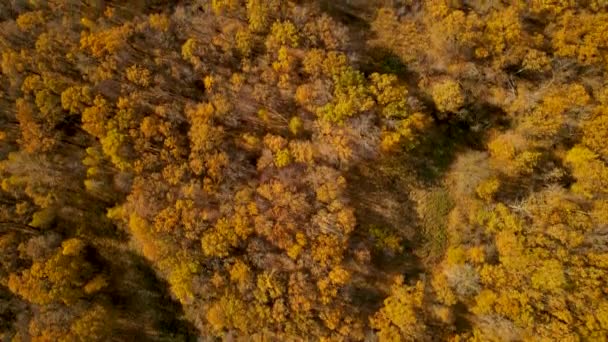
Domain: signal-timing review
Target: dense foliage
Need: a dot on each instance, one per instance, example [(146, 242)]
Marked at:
[(303, 170)]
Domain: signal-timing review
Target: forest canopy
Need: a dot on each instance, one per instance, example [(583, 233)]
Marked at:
[(278, 170)]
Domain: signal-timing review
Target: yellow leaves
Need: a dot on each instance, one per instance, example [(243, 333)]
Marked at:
[(447, 96), (138, 75), (105, 42), (590, 172), (278, 145), (454, 32), (339, 275), (557, 211), (515, 305), (297, 248), (240, 273), (399, 318), (313, 62), (113, 146), (437, 9), (385, 239), (268, 287), (295, 125), (140, 229), (351, 96), (455, 255), (335, 64), (526, 161), (346, 220), (172, 218), (282, 34), (220, 6), (220, 239), (595, 131), (503, 29), (484, 302), (215, 164), (43, 218), (330, 191), (75, 98), (33, 136), (242, 225), (324, 30), (259, 13), (407, 132), (96, 284), (328, 287), (190, 49), (264, 115), (502, 219), (95, 324), (209, 82), (270, 190), (327, 250), (582, 36), (72, 247), (275, 142), (600, 211), (59, 279), (403, 37), (442, 289), (244, 42), (386, 89), (203, 134), (228, 312), (553, 7), (284, 65), (331, 318), (29, 20), (282, 158), (601, 315), (181, 277), (510, 154), (31, 84), (160, 22), (549, 276), (509, 245), (487, 189), (390, 140), (476, 254), (536, 60)]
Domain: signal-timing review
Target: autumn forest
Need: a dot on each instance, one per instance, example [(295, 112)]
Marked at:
[(303, 170)]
